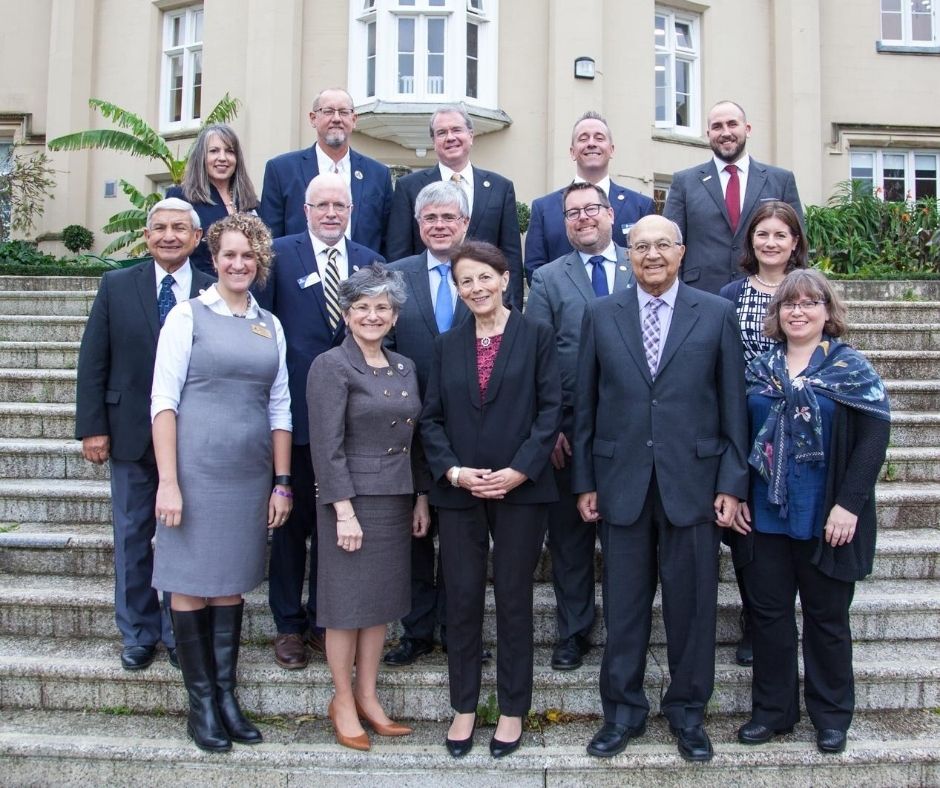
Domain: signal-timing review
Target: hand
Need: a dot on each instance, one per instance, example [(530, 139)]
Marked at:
[(96, 448), (279, 507), (348, 530), (840, 526), (169, 508), (496, 484), (742, 520), (726, 507), (421, 519), (469, 478), (562, 449), (587, 507)]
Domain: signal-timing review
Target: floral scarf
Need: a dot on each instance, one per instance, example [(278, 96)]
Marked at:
[(835, 368)]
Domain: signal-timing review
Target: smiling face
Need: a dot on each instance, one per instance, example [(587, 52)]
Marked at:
[(370, 318), (654, 254), (773, 243), (442, 228), (452, 140), (728, 131), (328, 208), (591, 149), (220, 159), (590, 234), (235, 264), (171, 238), (333, 129), (804, 324), (480, 286)]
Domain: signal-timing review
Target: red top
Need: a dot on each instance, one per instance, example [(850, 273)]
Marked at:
[(486, 358)]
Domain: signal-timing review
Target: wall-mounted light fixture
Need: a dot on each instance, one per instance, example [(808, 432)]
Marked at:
[(584, 68)]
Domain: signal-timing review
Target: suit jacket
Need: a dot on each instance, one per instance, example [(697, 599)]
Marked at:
[(690, 424), (559, 293), (493, 218), (287, 176), (115, 362), (547, 239), (713, 253), (303, 315)]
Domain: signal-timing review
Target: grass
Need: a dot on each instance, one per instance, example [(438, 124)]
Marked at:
[(6, 528)]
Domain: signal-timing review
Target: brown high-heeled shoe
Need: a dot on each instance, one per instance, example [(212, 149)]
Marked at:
[(360, 742), (390, 729)]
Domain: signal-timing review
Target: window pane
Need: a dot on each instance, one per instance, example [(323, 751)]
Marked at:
[(406, 58), (475, 5), (472, 62), (683, 92), (406, 2), (662, 86), (863, 170), (196, 32), (436, 35), (406, 35), (197, 84), (925, 176), (921, 21), (659, 31), (370, 59), (176, 31), (893, 176), (176, 88), (683, 35), (437, 3)]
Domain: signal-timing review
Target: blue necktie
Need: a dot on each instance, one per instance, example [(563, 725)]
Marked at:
[(598, 276), (166, 300), (444, 303)]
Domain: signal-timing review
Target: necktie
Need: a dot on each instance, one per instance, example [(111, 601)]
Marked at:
[(331, 288), (651, 334), (443, 304), (598, 276), (733, 196), (166, 300), (456, 178)]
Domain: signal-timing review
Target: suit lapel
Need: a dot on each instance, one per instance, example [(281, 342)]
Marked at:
[(510, 333), (623, 272), (308, 166), (708, 175), (146, 291), (356, 186), (574, 269), (756, 178), (627, 319), (684, 317), (308, 265), (421, 287), (482, 191), (468, 344)]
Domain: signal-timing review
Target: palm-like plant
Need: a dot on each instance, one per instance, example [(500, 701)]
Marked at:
[(138, 138)]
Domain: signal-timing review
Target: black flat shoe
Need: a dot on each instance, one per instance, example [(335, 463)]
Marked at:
[(172, 658), (830, 740), (460, 747), (500, 749), (694, 744), (755, 733), (569, 653), (137, 657), (407, 651), (612, 739)]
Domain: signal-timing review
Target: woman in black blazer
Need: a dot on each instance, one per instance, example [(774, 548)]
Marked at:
[(491, 416)]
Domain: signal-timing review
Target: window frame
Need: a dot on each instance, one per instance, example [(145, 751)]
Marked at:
[(674, 54), (188, 50), (876, 161)]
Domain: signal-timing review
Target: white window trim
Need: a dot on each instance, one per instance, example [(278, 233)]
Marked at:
[(187, 49), (693, 57), (907, 23), (878, 155)]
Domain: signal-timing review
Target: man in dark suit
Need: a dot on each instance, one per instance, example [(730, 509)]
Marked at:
[(558, 295), (428, 312), (295, 291), (659, 457), (286, 176), (592, 148), (713, 203), (112, 417), (492, 198)]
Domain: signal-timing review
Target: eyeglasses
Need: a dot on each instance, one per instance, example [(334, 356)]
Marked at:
[(643, 248), (363, 310), (330, 112), (324, 207), (805, 306), (442, 218), (590, 211), (455, 130)]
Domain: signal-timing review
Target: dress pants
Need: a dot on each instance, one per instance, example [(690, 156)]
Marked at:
[(140, 618), (571, 543), (687, 563), (428, 596), (518, 531), (781, 567), (289, 552)]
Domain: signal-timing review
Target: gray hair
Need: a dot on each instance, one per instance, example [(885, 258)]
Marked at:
[(457, 110), (175, 204), (372, 281), (591, 115), (442, 193), (675, 228)]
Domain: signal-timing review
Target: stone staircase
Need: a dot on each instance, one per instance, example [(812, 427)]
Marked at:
[(70, 714)]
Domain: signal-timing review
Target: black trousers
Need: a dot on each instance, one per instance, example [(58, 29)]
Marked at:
[(428, 596), (781, 567), (686, 562), (518, 531)]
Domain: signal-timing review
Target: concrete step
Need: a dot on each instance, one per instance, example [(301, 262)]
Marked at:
[(39, 355), (894, 336), (47, 302), (889, 290), (916, 395), (27, 328), (46, 458), (43, 420), (910, 364), (107, 747), (914, 429), (890, 311), (912, 464), (37, 385), (45, 283)]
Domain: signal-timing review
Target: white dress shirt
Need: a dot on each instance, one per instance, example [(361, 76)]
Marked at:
[(182, 280), (466, 180), (665, 312), (743, 164), (603, 183), (320, 252), (610, 264), (435, 281), (175, 347)]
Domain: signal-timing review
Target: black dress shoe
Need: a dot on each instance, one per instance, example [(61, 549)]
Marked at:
[(407, 651), (569, 653), (172, 658), (500, 749), (612, 739), (694, 744), (137, 657), (460, 747), (830, 740), (755, 733)]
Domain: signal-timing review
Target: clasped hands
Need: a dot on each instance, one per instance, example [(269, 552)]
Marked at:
[(726, 509), (486, 483)]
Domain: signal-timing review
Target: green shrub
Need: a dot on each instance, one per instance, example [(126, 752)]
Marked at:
[(23, 253), (77, 238), (524, 214)]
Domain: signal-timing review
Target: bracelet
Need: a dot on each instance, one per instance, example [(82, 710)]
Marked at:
[(283, 479), (345, 519), (419, 493), (455, 476), (283, 493)]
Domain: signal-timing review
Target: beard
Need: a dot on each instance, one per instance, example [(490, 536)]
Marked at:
[(735, 153)]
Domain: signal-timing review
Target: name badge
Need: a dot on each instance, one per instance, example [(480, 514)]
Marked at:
[(308, 281), (261, 331)]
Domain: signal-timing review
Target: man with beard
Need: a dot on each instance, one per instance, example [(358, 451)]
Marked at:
[(713, 202), (286, 176)]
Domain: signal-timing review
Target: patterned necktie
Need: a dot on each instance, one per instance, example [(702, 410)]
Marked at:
[(733, 197), (456, 178), (651, 334), (331, 288), (443, 304), (166, 300), (598, 276)]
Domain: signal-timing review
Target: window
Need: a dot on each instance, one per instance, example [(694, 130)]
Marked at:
[(6, 164), (181, 93), (677, 80), (911, 23), (897, 175)]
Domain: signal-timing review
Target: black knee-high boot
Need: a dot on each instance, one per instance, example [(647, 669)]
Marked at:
[(226, 634), (194, 649)]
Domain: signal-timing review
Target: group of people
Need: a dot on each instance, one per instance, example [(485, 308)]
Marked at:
[(312, 392)]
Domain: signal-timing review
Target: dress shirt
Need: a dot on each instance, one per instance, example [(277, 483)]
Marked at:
[(665, 312), (182, 280), (466, 183), (434, 280), (603, 183), (743, 164), (320, 250), (175, 347), (610, 264), (326, 164)]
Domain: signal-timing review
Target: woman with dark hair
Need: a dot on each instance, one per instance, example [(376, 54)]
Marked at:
[(491, 417), (820, 422), (216, 184)]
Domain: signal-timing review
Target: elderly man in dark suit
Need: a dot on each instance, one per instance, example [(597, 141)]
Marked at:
[(713, 203), (558, 295), (492, 198), (592, 148), (660, 443), (286, 176), (112, 418), (302, 291)]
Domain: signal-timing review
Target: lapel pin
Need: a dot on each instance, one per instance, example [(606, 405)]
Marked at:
[(706, 178), (358, 174), (486, 184), (623, 268), (620, 196), (355, 268), (400, 365)]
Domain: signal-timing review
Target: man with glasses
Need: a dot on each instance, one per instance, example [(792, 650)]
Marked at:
[(286, 176), (302, 291), (558, 295), (592, 148), (491, 197)]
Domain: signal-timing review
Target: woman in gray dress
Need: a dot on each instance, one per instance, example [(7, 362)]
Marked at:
[(363, 404), (221, 434)]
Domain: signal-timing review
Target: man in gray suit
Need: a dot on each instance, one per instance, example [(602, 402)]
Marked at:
[(659, 457), (559, 293), (713, 203)]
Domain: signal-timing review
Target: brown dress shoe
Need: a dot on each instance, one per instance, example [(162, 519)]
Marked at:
[(290, 652), (315, 641)]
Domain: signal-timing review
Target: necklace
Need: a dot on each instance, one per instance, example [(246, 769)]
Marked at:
[(766, 284), (485, 342)]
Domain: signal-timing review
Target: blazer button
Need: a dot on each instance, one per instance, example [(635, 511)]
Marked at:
[(654, 403), (387, 393), (404, 393), (649, 443), (404, 450), (394, 422), (389, 372), (409, 421), (375, 372), (390, 451)]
